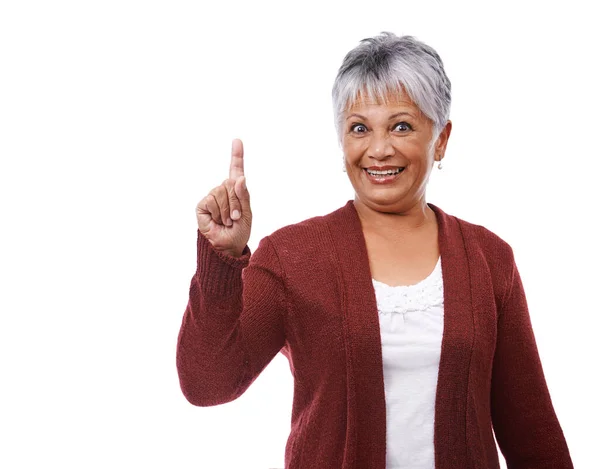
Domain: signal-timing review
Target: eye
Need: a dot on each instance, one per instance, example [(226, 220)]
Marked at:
[(358, 128), (402, 127)]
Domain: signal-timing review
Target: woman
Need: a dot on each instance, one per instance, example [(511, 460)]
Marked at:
[(406, 329)]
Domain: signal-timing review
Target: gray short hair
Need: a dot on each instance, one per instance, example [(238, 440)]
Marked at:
[(387, 63)]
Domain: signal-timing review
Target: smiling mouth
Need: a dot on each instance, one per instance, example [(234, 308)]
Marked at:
[(387, 172)]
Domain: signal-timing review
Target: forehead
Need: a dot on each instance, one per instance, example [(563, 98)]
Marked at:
[(390, 101)]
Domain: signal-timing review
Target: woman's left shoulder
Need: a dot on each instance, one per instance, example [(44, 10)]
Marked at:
[(479, 237), (481, 233)]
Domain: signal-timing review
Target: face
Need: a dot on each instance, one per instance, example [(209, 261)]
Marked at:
[(389, 152)]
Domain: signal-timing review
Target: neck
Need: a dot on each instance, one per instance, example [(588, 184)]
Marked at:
[(408, 220)]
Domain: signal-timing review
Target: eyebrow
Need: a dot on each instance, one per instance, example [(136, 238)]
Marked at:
[(393, 116)]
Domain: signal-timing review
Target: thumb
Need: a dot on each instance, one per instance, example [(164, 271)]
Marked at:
[(241, 191)]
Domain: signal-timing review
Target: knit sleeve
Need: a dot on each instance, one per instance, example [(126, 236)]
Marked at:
[(525, 423), (233, 325)]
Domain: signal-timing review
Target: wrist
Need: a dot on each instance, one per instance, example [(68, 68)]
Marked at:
[(234, 253)]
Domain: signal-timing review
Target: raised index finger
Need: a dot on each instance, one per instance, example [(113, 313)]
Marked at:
[(236, 168)]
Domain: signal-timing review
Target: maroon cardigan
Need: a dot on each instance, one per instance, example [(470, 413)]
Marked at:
[(307, 292)]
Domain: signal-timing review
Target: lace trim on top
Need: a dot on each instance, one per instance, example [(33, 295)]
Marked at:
[(426, 294)]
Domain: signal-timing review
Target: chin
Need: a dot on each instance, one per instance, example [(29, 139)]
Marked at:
[(382, 200)]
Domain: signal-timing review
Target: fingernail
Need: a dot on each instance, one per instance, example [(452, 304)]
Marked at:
[(235, 214), (228, 222)]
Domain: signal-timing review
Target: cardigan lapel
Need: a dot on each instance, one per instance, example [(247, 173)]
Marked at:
[(366, 424), (366, 419), (450, 426)]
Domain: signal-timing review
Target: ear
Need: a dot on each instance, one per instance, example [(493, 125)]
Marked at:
[(442, 141)]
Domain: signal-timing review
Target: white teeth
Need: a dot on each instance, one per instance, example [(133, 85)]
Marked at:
[(387, 172)]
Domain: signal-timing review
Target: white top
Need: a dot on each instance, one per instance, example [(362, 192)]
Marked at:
[(411, 320)]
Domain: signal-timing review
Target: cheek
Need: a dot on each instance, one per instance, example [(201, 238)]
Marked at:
[(352, 150), (417, 152)]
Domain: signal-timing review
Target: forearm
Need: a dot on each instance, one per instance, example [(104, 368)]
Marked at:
[(525, 423), (210, 354), (233, 325)]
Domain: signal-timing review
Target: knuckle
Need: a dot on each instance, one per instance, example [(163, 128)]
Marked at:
[(219, 195), (203, 204), (214, 192), (213, 205)]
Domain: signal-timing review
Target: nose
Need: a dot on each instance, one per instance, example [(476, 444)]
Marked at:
[(380, 147)]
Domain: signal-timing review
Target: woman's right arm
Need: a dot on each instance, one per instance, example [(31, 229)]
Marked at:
[(233, 324)]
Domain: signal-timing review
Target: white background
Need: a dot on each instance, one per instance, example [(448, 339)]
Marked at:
[(116, 117)]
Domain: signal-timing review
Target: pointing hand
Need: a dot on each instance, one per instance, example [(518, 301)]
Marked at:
[(224, 215)]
